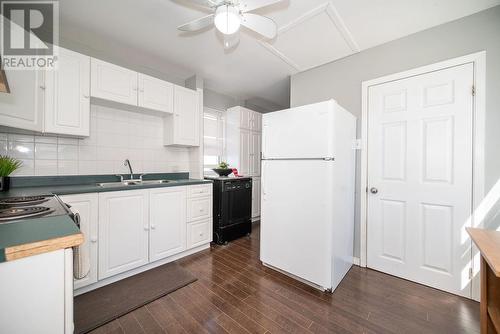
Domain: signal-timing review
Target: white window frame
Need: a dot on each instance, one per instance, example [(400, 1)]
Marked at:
[(221, 115)]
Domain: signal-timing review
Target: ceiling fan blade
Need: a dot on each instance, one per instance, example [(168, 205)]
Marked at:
[(249, 5), (230, 41), (260, 24), (197, 24), (204, 3)]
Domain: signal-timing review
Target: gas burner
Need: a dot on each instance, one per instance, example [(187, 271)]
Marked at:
[(23, 212), (25, 200)]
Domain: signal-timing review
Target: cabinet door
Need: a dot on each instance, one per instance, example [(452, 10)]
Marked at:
[(168, 222), (156, 94), (245, 118), (67, 95), (22, 108), (86, 206), (112, 82), (199, 233), (256, 121), (123, 231), (255, 197), (186, 117), (255, 151), (244, 168)]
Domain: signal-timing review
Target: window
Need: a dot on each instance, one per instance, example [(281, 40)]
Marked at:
[(213, 138)]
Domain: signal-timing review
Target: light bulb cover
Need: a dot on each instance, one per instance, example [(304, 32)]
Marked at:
[(227, 19)]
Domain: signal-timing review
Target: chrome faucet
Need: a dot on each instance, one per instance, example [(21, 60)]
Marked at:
[(127, 163)]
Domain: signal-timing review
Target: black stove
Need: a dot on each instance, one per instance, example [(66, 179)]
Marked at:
[(16, 208)]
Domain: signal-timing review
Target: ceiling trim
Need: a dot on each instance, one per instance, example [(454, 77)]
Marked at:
[(334, 16)]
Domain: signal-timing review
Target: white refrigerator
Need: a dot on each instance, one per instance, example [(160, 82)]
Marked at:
[(308, 175)]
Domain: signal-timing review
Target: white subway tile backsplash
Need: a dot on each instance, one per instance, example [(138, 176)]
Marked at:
[(46, 140), (45, 151), (88, 167), (67, 152), (21, 150), (87, 152), (4, 148), (67, 167), (67, 141), (28, 168), (115, 135), (45, 167), (21, 138)]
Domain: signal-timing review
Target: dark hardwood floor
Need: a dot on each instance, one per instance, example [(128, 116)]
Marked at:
[(236, 294)]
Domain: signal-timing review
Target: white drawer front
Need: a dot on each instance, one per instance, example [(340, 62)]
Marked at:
[(199, 208), (200, 190), (199, 233)]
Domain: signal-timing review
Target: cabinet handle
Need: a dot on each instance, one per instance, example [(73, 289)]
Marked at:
[(86, 96), (146, 228), (201, 234), (201, 209), (142, 90), (153, 227), (93, 240), (42, 87)]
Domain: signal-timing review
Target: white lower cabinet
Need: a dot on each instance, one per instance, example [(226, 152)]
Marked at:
[(123, 231), (199, 233), (168, 222), (86, 205)]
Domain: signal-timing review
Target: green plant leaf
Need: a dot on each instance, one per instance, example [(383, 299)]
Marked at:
[(8, 165)]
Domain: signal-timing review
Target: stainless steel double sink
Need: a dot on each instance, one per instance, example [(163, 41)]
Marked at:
[(132, 183)]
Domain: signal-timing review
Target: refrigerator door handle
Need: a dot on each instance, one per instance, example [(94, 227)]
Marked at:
[(294, 159)]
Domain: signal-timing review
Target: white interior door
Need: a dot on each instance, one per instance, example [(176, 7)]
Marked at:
[(420, 178)]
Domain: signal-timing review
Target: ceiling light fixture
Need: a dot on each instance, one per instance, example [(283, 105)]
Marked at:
[(227, 19)]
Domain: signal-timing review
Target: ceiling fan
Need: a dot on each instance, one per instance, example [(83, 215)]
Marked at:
[(230, 15)]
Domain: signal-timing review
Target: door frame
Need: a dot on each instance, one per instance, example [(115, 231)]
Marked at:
[(478, 134)]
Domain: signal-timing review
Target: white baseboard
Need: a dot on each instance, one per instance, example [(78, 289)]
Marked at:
[(136, 271), (356, 261)]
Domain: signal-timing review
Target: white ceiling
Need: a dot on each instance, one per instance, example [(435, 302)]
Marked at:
[(311, 33)]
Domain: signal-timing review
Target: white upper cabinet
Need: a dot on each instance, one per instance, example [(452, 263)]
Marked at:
[(156, 94), (243, 140), (255, 153), (67, 95), (168, 222), (22, 108), (123, 231), (113, 83), (183, 128)]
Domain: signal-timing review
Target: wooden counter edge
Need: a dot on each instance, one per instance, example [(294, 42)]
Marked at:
[(489, 248), (44, 246)]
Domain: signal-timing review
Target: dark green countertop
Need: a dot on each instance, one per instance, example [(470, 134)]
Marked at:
[(92, 188), (28, 231)]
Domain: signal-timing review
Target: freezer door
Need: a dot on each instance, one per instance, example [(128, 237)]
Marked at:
[(302, 132), (296, 218)]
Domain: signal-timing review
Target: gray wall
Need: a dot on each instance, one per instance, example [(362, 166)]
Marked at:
[(342, 79)]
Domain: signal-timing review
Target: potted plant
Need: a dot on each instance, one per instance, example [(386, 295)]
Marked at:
[(7, 166), (223, 169)]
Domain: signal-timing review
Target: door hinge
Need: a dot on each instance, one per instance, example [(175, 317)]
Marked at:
[(473, 90), (471, 273)]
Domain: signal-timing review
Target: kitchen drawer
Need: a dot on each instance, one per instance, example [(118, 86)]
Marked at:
[(199, 233), (199, 208), (202, 190)]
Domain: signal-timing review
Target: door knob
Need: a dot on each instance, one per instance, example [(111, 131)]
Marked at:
[(374, 190)]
